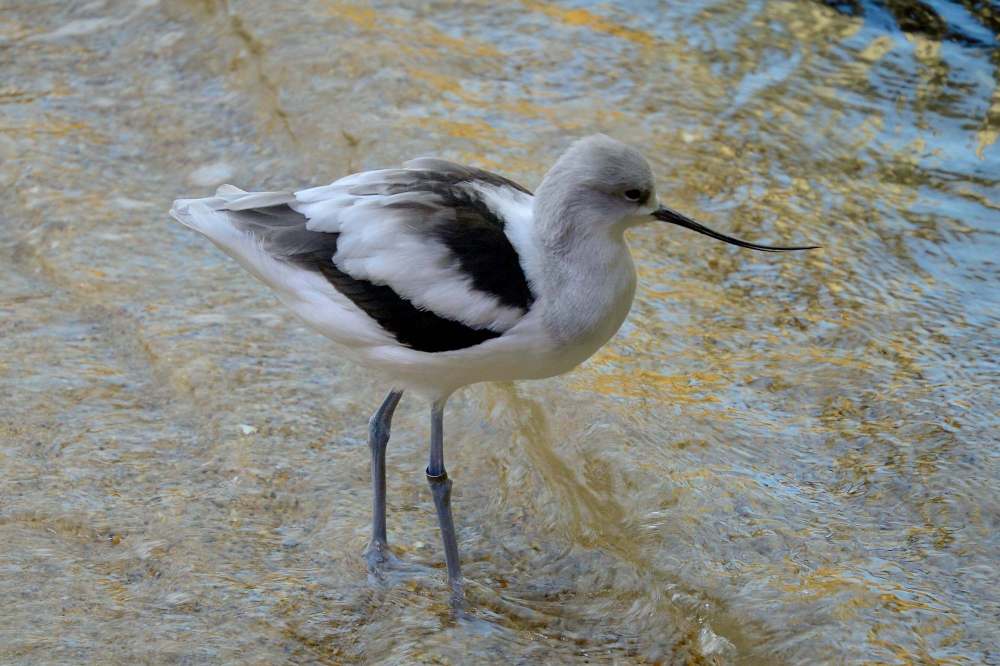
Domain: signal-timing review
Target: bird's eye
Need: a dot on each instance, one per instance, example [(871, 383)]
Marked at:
[(633, 195)]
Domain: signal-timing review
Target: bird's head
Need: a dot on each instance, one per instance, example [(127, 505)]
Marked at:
[(603, 184)]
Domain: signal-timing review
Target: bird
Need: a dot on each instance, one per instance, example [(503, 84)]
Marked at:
[(437, 275)]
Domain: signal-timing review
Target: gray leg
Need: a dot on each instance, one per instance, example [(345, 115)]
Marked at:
[(377, 552), (440, 484)]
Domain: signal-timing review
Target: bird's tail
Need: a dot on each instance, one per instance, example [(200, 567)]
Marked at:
[(212, 216), (206, 215)]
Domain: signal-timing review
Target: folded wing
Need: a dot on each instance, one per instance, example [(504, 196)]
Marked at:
[(422, 250)]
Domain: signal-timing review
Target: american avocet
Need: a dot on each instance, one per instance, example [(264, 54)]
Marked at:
[(439, 275)]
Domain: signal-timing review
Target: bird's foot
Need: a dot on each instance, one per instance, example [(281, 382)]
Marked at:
[(379, 559), (457, 598)]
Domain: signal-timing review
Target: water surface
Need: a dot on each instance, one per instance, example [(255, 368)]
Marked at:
[(780, 459)]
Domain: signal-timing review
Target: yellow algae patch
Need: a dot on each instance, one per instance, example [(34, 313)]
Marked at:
[(367, 18), (927, 50), (824, 581), (905, 656), (466, 130), (532, 110), (988, 135), (586, 19), (813, 24), (877, 48), (441, 82), (54, 127), (981, 199), (647, 383), (812, 355), (361, 16), (900, 605), (605, 355), (468, 46)]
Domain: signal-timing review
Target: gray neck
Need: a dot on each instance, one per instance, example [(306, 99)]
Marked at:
[(587, 276)]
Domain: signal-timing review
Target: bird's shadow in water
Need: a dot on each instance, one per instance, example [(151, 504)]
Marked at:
[(590, 518), (593, 534)]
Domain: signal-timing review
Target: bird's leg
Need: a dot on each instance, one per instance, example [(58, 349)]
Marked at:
[(377, 552), (440, 484)]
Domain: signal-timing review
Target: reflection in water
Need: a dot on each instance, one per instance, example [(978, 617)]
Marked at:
[(777, 460), (977, 25)]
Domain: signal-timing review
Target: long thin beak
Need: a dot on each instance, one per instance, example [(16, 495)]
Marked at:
[(674, 217)]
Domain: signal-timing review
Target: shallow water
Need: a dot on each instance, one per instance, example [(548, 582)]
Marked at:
[(780, 459)]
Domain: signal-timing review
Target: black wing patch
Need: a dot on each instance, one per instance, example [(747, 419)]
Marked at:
[(483, 250), (420, 329), (283, 233), (465, 224), (450, 172)]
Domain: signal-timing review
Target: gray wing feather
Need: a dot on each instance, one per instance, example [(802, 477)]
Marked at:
[(236, 199), (282, 232), (459, 173)]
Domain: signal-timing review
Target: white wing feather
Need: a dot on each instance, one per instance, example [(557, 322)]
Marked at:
[(386, 238)]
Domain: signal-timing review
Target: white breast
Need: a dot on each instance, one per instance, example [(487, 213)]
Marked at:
[(586, 297)]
